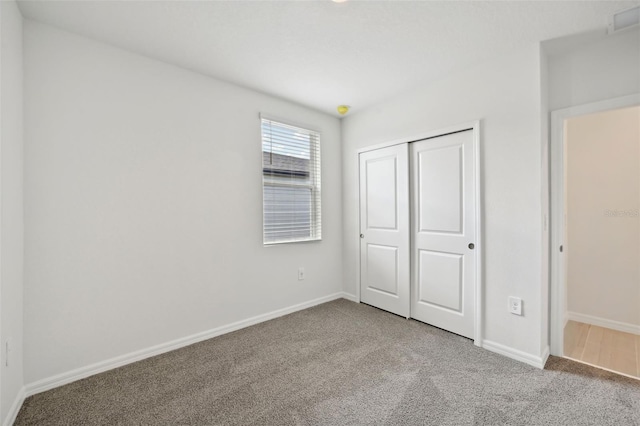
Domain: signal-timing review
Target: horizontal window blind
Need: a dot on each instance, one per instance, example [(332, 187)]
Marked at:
[(290, 183)]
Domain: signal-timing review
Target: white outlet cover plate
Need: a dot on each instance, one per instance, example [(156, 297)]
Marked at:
[(515, 305)]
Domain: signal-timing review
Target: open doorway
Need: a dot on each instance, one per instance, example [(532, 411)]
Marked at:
[(596, 253)]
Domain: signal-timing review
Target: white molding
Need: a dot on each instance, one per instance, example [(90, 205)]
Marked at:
[(603, 322), (479, 302), (359, 232), (15, 408), (350, 297), (600, 106), (518, 355), (471, 125), (286, 121), (545, 355), (475, 127), (557, 219), (119, 361)]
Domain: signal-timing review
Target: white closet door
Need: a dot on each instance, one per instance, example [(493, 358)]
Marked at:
[(384, 229), (443, 232)]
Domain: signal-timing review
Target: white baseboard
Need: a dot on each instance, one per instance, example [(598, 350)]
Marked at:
[(119, 361), (349, 296), (15, 408), (527, 358), (603, 322), (545, 355)]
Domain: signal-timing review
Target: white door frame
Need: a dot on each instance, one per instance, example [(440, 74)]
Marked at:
[(475, 127), (558, 296)]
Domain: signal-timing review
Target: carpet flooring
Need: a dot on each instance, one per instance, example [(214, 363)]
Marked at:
[(339, 363)]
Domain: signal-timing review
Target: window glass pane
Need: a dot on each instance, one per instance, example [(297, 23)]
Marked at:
[(291, 183), (287, 213)]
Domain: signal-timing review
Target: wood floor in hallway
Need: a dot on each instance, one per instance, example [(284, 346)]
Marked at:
[(603, 347)]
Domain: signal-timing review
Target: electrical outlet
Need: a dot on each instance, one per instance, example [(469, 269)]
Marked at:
[(515, 305), (301, 274)]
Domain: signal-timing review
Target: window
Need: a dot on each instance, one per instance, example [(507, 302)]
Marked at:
[(290, 183)]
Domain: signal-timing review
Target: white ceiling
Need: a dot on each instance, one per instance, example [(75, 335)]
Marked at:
[(320, 53)]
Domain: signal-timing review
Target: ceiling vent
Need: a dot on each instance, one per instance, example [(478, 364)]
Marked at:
[(624, 19)]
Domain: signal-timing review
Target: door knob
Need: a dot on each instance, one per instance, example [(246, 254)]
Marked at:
[(471, 246), (361, 235)]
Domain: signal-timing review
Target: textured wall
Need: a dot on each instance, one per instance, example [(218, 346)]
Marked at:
[(144, 205)]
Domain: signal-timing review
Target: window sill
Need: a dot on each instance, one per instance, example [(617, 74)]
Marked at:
[(276, 243)]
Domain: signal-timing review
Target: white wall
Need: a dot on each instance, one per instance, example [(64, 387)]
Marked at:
[(593, 67), (603, 199), (505, 95), (143, 205), (11, 212)]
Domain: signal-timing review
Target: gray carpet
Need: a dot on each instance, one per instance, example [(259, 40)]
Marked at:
[(340, 363)]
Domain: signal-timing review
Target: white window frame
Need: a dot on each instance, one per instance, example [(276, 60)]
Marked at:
[(315, 186)]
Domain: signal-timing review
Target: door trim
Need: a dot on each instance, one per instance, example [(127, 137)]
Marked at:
[(475, 127), (558, 311)]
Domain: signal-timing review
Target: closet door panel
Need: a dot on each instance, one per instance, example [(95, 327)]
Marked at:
[(443, 232), (384, 229)]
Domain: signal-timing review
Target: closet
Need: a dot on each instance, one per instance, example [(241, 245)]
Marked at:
[(419, 230)]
